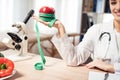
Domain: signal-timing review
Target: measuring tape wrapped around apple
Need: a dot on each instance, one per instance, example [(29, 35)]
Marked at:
[(46, 14), (6, 66)]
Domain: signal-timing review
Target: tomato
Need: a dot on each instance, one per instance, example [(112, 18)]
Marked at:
[(6, 67)]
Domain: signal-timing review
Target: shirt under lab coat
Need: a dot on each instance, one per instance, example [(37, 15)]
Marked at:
[(91, 45)]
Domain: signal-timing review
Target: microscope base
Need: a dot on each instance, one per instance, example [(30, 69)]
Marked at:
[(16, 58), (14, 55)]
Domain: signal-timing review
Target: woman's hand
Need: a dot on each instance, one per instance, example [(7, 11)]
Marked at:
[(39, 20), (101, 65), (57, 24)]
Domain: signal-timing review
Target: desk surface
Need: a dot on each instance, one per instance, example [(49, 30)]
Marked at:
[(55, 69)]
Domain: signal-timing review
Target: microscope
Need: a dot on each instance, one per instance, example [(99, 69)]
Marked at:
[(18, 41)]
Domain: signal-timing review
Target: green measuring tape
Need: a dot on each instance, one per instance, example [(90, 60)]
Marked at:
[(39, 65), (48, 18)]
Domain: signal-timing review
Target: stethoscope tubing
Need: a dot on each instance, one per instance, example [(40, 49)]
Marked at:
[(104, 34), (109, 40)]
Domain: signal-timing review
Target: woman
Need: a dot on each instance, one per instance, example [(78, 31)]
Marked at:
[(101, 42)]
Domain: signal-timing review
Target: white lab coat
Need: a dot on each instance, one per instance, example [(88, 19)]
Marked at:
[(90, 46)]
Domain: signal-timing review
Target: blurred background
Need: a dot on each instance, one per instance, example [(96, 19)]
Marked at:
[(16, 10), (70, 12), (76, 15)]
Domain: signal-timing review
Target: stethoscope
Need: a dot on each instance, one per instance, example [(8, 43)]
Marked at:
[(109, 40)]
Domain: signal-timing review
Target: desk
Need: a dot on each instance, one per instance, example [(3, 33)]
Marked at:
[(55, 69)]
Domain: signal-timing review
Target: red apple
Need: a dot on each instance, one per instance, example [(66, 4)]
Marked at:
[(47, 10)]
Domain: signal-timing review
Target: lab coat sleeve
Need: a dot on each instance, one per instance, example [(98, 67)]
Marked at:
[(65, 49), (75, 55), (117, 67)]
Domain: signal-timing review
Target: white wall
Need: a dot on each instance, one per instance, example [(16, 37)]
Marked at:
[(71, 15), (20, 11), (68, 11), (6, 8)]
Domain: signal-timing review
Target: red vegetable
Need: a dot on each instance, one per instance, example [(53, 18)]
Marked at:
[(6, 67), (47, 10)]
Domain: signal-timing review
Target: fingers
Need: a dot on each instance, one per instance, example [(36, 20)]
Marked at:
[(56, 24), (36, 18), (96, 63), (90, 65), (39, 20), (93, 64), (43, 22)]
